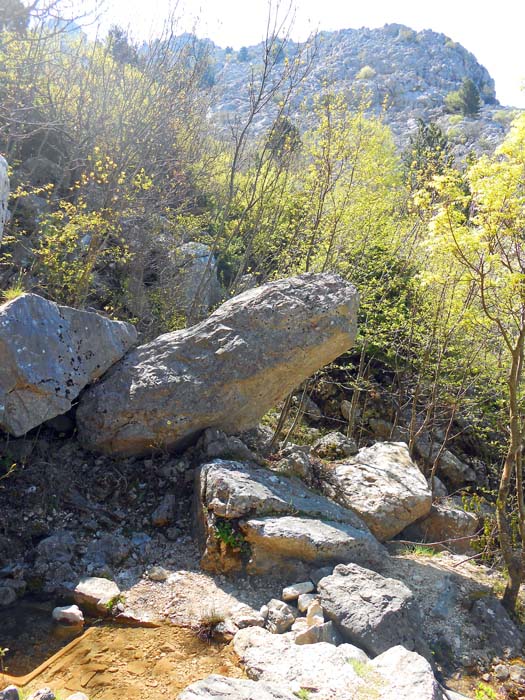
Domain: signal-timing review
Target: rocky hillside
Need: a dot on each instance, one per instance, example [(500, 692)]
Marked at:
[(394, 67)]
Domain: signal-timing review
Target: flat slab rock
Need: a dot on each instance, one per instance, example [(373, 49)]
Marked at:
[(49, 354), (383, 485), (232, 489), (276, 540), (372, 611), (327, 672), (225, 372)]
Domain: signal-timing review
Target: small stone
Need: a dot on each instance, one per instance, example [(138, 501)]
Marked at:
[(486, 677), (79, 696), (69, 614), (43, 694), (501, 672), (158, 573), (245, 616), (264, 611), (334, 446), (300, 625), (10, 693), (166, 512), (96, 592), (280, 616), (172, 533), (517, 673), (314, 614), (225, 631), (293, 592), (319, 633), (304, 600), (7, 596)]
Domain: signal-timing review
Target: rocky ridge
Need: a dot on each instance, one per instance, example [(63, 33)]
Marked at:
[(408, 72)]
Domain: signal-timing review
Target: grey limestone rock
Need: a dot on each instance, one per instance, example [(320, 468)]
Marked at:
[(276, 542), (371, 611), (334, 446), (165, 513), (7, 596), (328, 671), (281, 616), (383, 485), (406, 675), (195, 281), (280, 519), (222, 688), (95, 593), (42, 694), (447, 520), (10, 693), (49, 354), (223, 373)]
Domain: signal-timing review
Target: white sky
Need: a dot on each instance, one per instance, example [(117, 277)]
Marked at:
[(492, 31)]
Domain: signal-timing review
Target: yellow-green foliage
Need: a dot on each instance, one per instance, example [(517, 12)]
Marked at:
[(365, 73)]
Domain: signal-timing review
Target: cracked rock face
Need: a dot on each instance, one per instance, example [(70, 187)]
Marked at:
[(4, 194), (225, 372), (48, 354)]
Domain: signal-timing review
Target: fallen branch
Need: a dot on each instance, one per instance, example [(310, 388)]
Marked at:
[(435, 544)]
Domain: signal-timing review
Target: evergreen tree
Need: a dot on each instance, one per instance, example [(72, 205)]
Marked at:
[(466, 100), (428, 154)]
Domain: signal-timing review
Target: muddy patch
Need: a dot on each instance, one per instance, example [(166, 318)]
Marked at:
[(121, 662)]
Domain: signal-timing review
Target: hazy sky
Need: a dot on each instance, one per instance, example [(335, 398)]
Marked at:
[(492, 31)]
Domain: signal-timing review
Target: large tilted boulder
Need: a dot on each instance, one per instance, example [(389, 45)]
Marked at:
[(382, 484), (372, 611), (243, 509), (327, 672), (48, 354), (225, 372), (4, 194)]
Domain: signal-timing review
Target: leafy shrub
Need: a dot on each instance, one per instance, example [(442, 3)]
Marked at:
[(366, 73)]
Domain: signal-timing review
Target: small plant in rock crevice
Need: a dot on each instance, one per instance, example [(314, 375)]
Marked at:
[(112, 605), (207, 623), (225, 532), (420, 550)]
